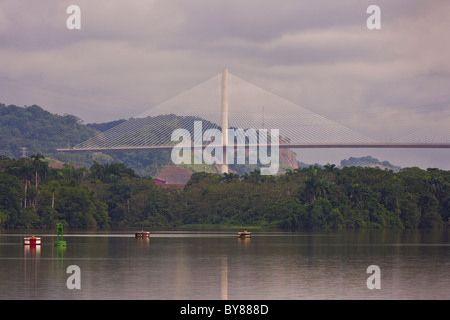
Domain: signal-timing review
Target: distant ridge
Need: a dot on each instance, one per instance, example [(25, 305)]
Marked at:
[(368, 161)]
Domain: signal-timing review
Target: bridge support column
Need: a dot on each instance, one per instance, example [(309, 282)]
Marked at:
[(224, 166)]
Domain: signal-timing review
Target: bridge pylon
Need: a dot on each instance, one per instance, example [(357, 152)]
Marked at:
[(224, 167)]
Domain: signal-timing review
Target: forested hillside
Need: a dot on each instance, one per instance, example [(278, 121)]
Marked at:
[(33, 195), (38, 130)]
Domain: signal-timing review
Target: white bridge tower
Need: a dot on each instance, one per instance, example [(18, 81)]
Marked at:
[(224, 166)]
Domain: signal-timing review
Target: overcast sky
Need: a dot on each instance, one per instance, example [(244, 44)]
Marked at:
[(131, 55)]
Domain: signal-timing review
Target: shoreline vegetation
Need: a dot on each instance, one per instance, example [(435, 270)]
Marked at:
[(34, 195)]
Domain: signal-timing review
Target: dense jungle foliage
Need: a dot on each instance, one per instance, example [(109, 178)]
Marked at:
[(33, 195)]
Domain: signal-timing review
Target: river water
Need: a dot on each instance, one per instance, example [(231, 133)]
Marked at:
[(218, 265)]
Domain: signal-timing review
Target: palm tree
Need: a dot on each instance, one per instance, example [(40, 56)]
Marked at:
[(228, 177), (97, 170), (316, 186), (38, 166), (25, 169), (53, 186), (435, 185)]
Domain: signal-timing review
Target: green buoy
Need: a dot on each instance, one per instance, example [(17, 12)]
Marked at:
[(59, 236)]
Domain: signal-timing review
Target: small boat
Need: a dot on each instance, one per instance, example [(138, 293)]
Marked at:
[(244, 234), (142, 234), (32, 240)]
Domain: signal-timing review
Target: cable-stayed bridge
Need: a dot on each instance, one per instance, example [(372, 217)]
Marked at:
[(226, 101)]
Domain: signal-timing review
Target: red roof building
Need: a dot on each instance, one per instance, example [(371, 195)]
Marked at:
[(160, 181), (173, 176)]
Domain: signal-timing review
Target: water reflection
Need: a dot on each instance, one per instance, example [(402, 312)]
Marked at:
[(224, 279), (31, 265), (244, 241), (32, 251), (60, 257), (143, 240), (414, 265)]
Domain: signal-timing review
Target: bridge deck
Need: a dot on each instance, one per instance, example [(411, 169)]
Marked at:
[(289, 145)]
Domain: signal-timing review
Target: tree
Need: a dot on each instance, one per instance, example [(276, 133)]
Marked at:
[(429, 208), (39, 166), (80, 207), (10, 196), (54, 185), (97, 171), (315, 185), (335, 220), (330, 167), (230, 177), (318, 213), (410, 213), (22, 168)]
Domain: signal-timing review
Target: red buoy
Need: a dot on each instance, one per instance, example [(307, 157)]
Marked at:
[(31, 240)]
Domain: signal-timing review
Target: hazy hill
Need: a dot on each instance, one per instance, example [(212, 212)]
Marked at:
[(102, 127), (38, 130), (369, 161)]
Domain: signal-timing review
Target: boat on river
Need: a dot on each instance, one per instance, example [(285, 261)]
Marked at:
[(142, 234), (32, 240), (244, 234)]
